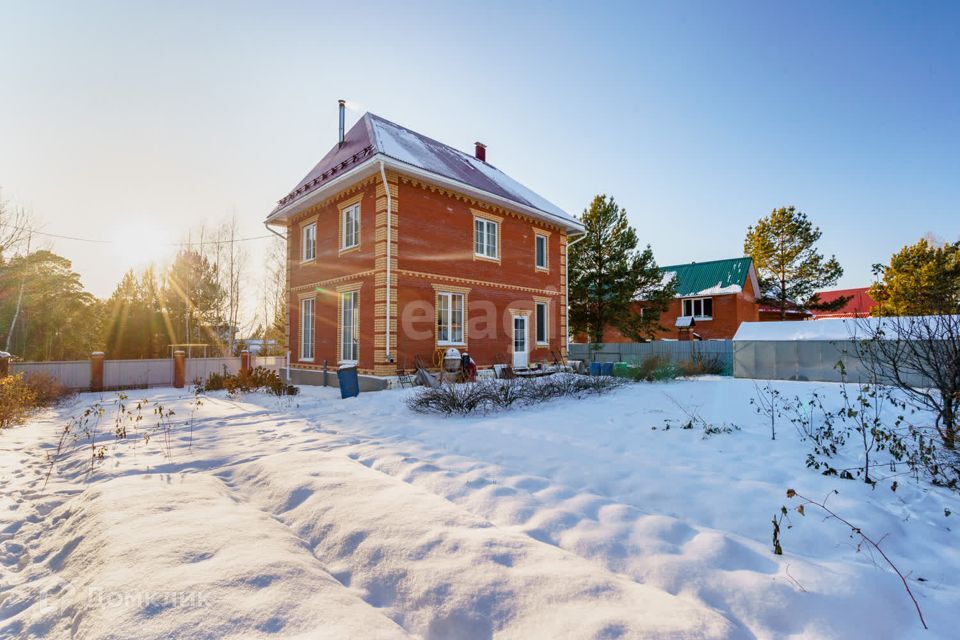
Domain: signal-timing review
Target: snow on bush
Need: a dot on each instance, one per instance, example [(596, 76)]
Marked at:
[(491, 395)]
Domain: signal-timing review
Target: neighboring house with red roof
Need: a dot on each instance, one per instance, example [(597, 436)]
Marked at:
[(399, 246), (859, 306), (769, 311)]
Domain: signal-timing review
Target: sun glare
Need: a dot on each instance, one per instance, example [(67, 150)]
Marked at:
[(136, 244)]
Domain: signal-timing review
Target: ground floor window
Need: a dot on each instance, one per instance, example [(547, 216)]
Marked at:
[(306, 328), (542, 320), (699, 308), (350, 326), (449, 318)]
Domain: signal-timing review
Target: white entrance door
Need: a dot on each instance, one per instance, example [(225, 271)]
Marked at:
[(520, 342)]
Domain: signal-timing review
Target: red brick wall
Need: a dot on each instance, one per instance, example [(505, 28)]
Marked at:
[(434, 249), (488, 325)]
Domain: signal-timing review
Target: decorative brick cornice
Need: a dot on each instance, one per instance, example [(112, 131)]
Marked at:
[(335, 198), (480, 283), (479, 203), (325, 284)]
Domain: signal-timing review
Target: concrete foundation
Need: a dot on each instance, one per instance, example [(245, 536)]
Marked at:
[(316, 379)]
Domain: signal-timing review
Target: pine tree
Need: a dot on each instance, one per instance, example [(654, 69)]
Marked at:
[(134, 326), (607, 275), (790, 271), (653, 294), (193, 300), (45, 313), (921, 279)]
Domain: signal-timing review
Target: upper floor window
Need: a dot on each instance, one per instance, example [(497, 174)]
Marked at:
[(540, 248), (699, 308), (350, 227), (486, 241), (449, 318), (308, 248)]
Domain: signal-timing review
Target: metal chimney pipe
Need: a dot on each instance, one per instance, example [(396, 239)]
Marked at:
[(343, 106)]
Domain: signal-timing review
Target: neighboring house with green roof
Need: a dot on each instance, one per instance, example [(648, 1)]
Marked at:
[(712, 299)]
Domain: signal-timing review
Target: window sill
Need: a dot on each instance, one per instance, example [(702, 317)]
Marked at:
[(479, 256), (347, 363), (703, 318), (355, 247), (308, 261), (543, 344), (543, 269), (305, 360), (451, 344)]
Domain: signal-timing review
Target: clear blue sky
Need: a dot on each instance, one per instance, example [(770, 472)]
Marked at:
[(698, 117)]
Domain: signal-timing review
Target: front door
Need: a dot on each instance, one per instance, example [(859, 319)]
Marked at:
[(519, 342)]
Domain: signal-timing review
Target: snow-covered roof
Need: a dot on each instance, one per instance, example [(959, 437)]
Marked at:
[(373, 136), (832, 329)]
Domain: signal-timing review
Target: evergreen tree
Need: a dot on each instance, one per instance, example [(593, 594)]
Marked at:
[(607, 275), (921, 279), (790, 271), (192, 300), (133, 322), (53, 318), (642, 321)]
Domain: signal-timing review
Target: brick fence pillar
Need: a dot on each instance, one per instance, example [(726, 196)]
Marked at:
[(244, 362), (4, 364), (179, 369), (96, 371)]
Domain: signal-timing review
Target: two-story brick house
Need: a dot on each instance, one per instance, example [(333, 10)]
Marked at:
[(399, 246)]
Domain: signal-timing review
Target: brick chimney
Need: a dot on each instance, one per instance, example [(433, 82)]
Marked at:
[(481, 151)]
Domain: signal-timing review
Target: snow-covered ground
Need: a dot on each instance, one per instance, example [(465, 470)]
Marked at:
[(329, 518)]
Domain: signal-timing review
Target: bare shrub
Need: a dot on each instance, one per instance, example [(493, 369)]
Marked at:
[(702, 364), (492, 395), (47, 389), (856, 532), (920, 357), (259, 379), (17, 400)]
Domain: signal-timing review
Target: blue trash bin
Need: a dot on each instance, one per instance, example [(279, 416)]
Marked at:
[(595, 368), (606, 369), (349, 382)]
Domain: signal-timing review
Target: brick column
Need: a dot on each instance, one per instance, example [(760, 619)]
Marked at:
[(564, 330), (96, 371), (380, 364), (4, 364), (179, 369), (244, 362)]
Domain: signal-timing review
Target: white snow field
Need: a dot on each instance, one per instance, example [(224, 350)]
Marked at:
[(329, 518)]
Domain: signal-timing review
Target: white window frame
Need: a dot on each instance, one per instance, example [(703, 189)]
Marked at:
[(482, 227), (445, 318), (307, 329), (350, 215), (545, 325), (692, 308), (546, 252), (308, 242), (347, 348)]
